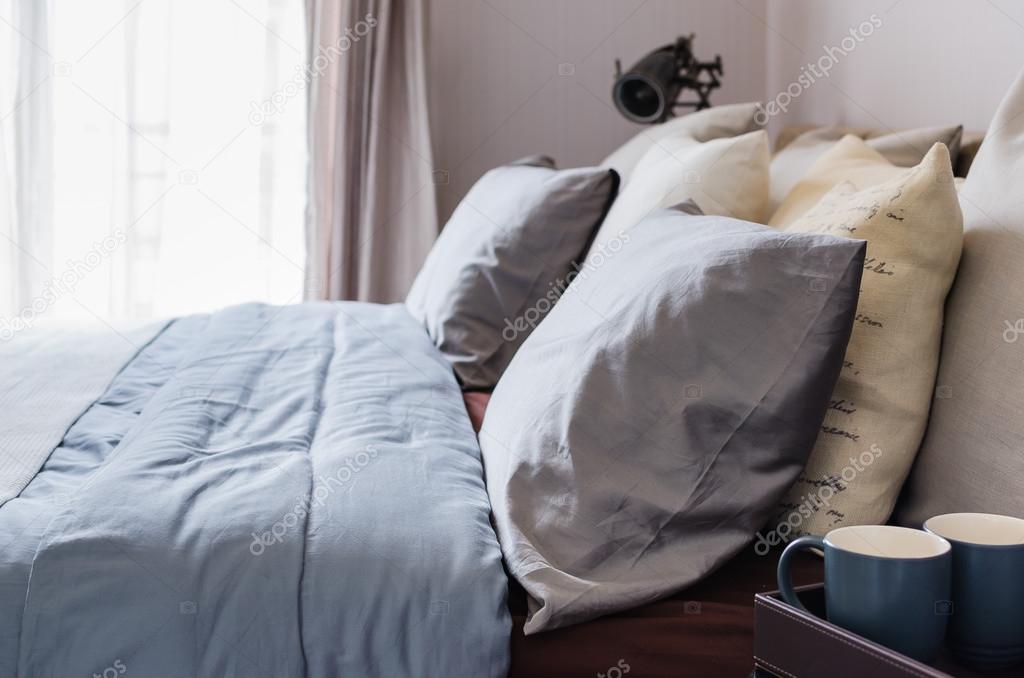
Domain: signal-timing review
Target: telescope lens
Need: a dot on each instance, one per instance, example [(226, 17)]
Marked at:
[(638, 99)]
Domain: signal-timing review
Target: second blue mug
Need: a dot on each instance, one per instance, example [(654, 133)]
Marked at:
[(987, 627)]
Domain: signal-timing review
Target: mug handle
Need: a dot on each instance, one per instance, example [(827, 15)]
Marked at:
[(785, 581)]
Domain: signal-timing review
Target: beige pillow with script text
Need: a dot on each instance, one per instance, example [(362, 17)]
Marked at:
[(879, 408)]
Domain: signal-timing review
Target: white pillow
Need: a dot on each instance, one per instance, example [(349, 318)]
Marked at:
[(711, 123), (725, 177)]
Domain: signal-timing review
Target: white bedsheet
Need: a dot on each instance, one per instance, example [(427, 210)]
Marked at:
[(48, 378)]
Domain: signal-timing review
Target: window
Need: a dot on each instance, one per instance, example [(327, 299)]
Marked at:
[(152, 158)]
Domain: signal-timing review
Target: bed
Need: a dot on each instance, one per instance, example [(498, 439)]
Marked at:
[(298, 491)]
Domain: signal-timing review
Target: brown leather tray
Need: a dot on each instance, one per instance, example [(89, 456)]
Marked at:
[(789, 643)]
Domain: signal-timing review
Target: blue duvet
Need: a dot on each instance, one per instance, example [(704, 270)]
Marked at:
[(266, 491)]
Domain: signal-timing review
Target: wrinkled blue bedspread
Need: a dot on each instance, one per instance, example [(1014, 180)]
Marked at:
[(261, 492)]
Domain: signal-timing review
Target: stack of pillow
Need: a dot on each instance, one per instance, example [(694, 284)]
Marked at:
[(692, 340)]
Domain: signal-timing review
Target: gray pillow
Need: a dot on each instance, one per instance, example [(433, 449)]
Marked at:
[(503, 259), (647, 428)]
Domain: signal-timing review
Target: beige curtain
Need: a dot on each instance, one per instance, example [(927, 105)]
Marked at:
[(372, 215)]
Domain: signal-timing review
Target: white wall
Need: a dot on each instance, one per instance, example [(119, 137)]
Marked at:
[(930, 62), (495, 89), (496, 93)]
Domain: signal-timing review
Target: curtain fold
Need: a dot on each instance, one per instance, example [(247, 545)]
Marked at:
[(26, 155), (371, 216)]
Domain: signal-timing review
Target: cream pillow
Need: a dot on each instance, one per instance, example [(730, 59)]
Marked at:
[(711, 123), (850, 159), (878, 411), (905, 148), (725, 177)]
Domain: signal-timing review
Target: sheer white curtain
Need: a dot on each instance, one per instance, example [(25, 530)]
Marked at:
[(152, 157)]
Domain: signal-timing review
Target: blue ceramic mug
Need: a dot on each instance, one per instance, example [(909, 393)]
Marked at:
[(986, 630), (887, 584)]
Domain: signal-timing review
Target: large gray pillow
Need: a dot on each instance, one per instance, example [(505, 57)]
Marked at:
[(972, 457), (647, 428), (503, 259)]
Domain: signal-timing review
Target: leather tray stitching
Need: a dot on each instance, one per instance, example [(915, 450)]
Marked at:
[(906, 669), (774, 668)]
